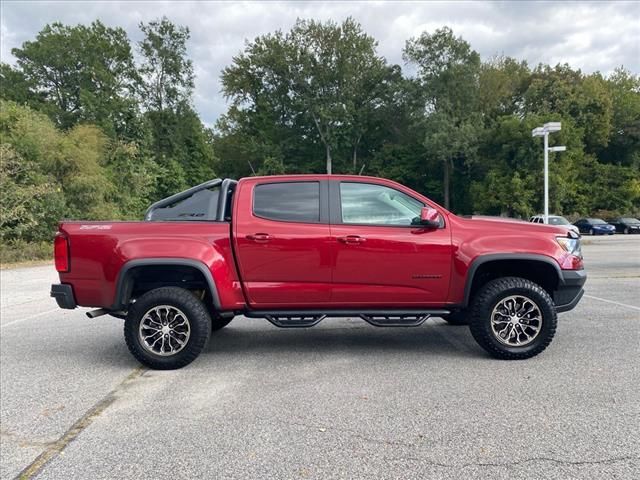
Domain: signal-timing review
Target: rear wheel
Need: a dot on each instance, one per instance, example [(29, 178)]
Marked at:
[(167, 328), (513, 318)]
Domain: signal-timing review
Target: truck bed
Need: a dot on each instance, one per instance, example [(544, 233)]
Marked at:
[(100, 249)]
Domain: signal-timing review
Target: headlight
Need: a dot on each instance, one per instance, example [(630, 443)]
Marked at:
[(571, 245)]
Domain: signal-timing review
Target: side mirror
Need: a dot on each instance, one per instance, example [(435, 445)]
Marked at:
[(429, 217)]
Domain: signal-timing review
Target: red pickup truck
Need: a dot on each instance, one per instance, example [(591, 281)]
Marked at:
[(298, 248)]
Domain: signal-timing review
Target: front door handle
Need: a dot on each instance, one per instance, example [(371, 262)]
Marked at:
[(259, 237), (352, 239)]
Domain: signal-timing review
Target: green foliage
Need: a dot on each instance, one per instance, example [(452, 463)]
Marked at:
[(31, 202), (182, 148), (271, 166), (448, 71), (15, 86), (48, 173), (84, 74), (134, 176), (321, 81), (26, 252), (166, 75)]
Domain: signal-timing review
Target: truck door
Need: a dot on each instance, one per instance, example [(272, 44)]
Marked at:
[(382, 257), (282, 242)]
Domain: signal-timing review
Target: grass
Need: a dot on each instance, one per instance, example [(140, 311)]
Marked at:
[(21, 254)]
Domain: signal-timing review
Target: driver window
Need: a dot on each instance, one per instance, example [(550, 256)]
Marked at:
[(369, 204)]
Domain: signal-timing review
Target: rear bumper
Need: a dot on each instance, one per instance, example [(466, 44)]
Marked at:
[(63, 293), (570, 290)]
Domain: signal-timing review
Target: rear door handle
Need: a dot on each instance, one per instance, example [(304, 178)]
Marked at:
[(352, 239), (259, 237)]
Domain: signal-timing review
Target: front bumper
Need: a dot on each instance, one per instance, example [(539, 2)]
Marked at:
[(570, 290), (63, 293)]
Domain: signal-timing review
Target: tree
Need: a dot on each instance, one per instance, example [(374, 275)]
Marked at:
[(50, 174), (83, 73), (16, 87), (448, 71), (167, 78), (322, 81), (502, 84), (566, 92), (624, 142), (134, 173), (181, 145), (338, 79)]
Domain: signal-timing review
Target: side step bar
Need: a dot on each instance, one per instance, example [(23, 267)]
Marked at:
[(299, 321), (378, 318), (395, 320)]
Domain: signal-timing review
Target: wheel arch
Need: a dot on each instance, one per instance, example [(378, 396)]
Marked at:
[(127, 277), (540, 269)]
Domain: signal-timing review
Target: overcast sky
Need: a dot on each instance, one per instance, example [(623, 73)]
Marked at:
[(587, 35)]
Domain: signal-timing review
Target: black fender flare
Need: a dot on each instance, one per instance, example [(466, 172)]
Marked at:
[(491, 257), (123, 284)]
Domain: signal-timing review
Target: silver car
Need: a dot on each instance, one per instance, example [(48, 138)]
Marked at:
[(556, 220)]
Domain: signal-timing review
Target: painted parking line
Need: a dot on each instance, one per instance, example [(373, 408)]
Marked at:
[(615, 303), (24, 319)]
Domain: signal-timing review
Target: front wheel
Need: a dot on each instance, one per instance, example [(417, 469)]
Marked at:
[(592, 232), (513, 318), (626, 231), (167, 328)]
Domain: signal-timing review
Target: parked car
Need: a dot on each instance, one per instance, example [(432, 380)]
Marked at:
[(626, 224), (555, 220), (594, 226), (295, 249)]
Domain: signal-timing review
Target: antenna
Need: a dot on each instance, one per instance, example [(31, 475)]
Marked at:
[(251, 166), (363, 165)]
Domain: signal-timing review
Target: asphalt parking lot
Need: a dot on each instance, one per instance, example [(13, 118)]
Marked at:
[(340, 400)]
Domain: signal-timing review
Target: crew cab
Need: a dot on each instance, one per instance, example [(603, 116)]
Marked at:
[(295, 249)]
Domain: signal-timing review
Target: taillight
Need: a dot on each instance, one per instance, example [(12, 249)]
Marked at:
[(61, 252)]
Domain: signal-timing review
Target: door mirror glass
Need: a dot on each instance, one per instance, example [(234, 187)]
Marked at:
[(429, 217)]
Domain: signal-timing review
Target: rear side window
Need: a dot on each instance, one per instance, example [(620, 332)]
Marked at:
[(202, 205), (288, 202)]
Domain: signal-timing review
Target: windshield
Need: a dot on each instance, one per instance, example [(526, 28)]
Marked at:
[(630, 220), (558, 221), (596, 221)]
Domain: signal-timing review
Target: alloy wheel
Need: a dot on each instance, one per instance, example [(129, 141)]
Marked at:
[(516, 321), (164, 330)]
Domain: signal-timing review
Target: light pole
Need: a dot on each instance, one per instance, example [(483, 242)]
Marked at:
[(544, 131)]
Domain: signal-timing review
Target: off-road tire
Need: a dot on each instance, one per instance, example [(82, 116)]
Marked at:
[(489, 296), (199, 324), (461, 317)]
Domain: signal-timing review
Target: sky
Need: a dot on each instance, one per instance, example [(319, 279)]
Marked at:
[(591, 36)]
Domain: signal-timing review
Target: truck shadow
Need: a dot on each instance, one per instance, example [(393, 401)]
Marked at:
[(338, 336)]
